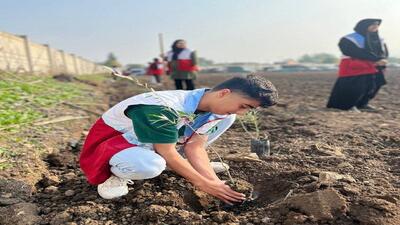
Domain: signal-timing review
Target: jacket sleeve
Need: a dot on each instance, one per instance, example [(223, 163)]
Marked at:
[(350, 49), (193, 57), (386, 51)]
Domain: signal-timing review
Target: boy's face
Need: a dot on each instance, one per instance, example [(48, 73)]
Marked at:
[(228, 102)]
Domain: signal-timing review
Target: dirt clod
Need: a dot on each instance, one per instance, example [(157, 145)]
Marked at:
[(322, 205), (19, 214)]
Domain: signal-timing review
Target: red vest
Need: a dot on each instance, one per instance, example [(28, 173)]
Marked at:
[(153, 71), (184, 61), (352, 67)]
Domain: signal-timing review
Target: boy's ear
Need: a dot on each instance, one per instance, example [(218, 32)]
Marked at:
[(224, 92)]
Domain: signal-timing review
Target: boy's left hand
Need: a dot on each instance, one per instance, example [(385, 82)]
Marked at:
[(222, 191)]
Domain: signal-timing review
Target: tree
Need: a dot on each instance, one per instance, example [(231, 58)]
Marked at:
[(323, 58), (112, 61), (306, 59), (205, 62)]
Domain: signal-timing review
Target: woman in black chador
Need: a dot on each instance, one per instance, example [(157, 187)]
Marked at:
[(361, 67)]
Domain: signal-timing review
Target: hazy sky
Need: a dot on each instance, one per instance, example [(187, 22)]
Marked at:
[(221, 30)]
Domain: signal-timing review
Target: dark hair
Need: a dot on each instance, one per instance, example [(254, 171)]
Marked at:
[(254, 87), (362, 26), (175, 49), (175, 43)]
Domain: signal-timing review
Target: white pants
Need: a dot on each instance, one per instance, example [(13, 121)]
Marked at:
[(139, 163)]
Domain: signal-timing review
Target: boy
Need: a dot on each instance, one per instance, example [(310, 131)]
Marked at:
[(136, 138)]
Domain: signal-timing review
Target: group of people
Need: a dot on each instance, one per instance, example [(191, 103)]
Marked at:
[(361, 69), (181, 66), (137, 138)]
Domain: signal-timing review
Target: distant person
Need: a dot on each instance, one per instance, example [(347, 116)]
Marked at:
[(361, 68), (182, 65), (156, 70)]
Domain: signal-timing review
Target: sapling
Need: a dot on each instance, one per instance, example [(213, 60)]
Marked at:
[(258, 144)]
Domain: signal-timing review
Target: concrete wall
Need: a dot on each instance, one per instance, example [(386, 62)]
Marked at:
[(19, 55)]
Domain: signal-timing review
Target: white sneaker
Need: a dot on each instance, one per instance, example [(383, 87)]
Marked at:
[(354, 109), (113, 187), (219, 167)]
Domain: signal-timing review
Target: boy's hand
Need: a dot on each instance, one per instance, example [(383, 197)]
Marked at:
[(222, 191), (213, 187)]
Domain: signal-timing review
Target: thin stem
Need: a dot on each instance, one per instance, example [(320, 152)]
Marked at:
[(245, 129), (256, 125), (223, 164)]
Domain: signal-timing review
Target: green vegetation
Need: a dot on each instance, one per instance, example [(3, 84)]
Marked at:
[(27, 99), (22, 100), (251, 120), (323, 58), (112, 61), (204, 62), (5, 154), (95, 78)]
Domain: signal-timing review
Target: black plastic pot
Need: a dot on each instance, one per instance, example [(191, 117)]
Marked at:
[(261, 147)]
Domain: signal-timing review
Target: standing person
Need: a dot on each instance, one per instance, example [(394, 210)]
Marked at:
[(182, 65), (361, 67), (156, 70)]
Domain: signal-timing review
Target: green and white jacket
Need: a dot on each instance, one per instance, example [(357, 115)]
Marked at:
[(165, 117)]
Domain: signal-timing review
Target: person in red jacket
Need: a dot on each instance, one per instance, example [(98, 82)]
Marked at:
[(182, 65), (361, 67), (156, 70)]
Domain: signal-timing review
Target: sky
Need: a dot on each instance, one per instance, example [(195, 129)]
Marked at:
[(220, 30)]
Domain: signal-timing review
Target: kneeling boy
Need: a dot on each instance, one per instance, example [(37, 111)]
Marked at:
[(136, 138)]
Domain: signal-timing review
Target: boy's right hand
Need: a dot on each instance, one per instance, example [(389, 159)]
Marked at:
[(222, 191), (216, 188)]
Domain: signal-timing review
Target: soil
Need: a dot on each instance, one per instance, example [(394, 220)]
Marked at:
[(326, 167)]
